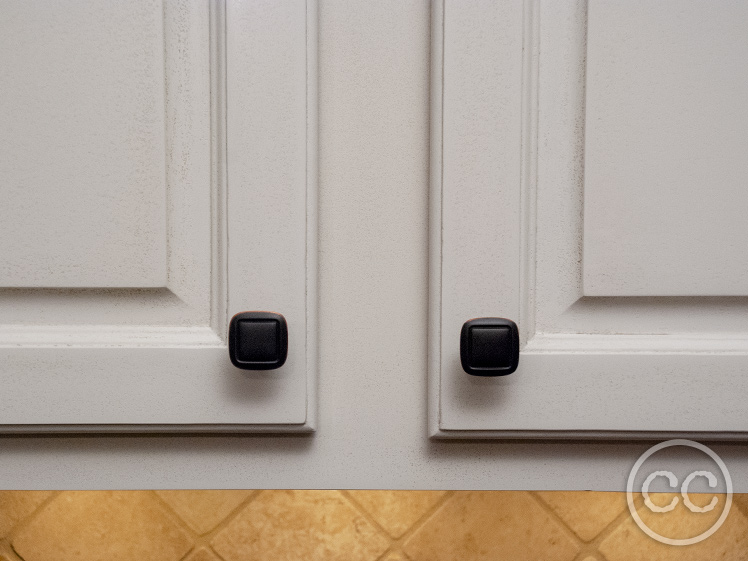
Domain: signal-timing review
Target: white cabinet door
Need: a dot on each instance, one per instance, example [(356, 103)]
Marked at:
[(158, 175), (590, 182)]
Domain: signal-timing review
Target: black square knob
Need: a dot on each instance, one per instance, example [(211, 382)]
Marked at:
[(258, 340), (489, 347)]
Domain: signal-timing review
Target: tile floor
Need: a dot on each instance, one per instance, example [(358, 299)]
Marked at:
[(352, 525)]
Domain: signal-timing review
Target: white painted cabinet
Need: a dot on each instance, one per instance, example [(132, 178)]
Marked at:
[(158, 167), (590, 182), (158, 175)]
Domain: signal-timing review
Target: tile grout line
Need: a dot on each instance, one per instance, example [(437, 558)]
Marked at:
[(578, 541), (208, 537), (366, 514), (180, 522), (396, 544), (8, 552), (423, 519), (233, 514), (742, 508), (204, 540), (24, 521), (612, 527), (591, 548)]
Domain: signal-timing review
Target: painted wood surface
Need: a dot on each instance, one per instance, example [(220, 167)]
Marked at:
[(129, 240), (528, 163), (666, 133)]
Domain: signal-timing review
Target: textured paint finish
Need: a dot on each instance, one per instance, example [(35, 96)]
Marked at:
[(477, 71), (271, 153), (372, 432), (589, 367), (83, 144), (105, 357), (666, 134)]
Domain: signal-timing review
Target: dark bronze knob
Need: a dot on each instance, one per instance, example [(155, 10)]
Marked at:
[(258, 340), (489, 347)]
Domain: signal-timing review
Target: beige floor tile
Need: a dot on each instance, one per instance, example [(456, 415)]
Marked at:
[(628, 542), (202, 554), (587, 513), (300, 525), (7, 553), (98, 525), (741, 500), (15, 505), (203, 510), (395, 556), (396, 511), (486, 525)]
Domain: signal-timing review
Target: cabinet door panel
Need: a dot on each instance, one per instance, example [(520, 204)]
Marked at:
[(128, 237), (582, 188), (666, 134), (83, 145)]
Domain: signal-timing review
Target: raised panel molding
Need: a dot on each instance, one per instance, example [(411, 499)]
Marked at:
[(666, 133), (507, 239), (190, 205), (118, 356), (83, 145)]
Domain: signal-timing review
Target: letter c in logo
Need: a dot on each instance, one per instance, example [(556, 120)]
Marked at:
[(673, 483), (711, 478)]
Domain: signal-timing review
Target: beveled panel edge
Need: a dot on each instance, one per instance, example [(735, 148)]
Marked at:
[(581, 435), (188, 133), (156, 430), (436, 149), (312, 212)]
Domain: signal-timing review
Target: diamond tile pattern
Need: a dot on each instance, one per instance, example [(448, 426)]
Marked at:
[(300, 525), (92, 526), (202, 554), (203, 510), (587, 513), (6, 553), (729, 542), (491, 525), (396, 511), (15, 505), (395, 556), (345, 525)]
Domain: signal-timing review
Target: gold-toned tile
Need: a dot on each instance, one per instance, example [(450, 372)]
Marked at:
[(96, 525), (488, 525), (204, 510), (15, 505), (629, 542), (396, 511), (202, 554), (741, 500), (6, 553), (300, 525), (395, 556), (587, 513)]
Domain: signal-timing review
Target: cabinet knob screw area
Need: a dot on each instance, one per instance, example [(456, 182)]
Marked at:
[(258, 340), (489, 347)]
